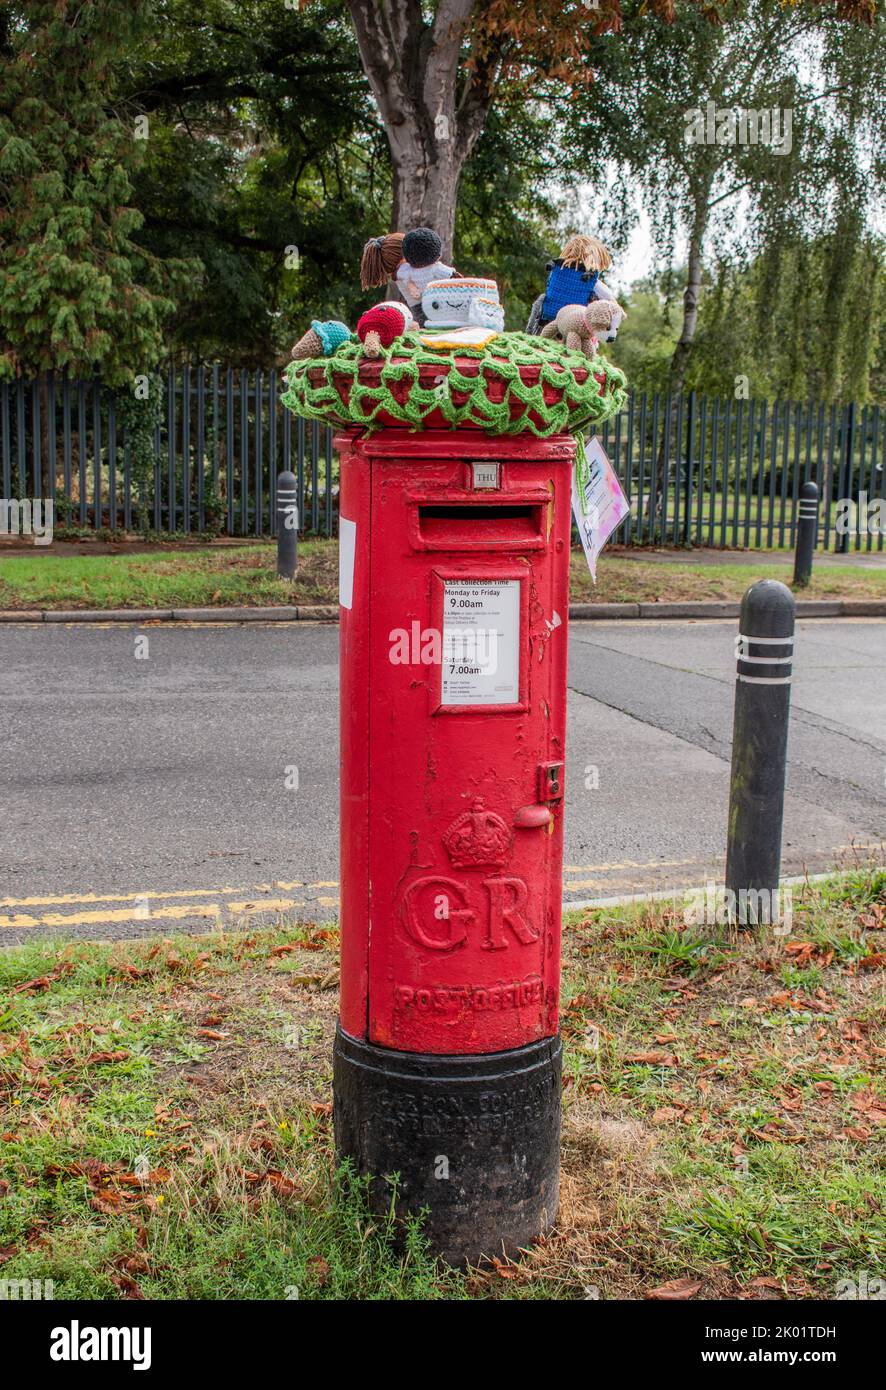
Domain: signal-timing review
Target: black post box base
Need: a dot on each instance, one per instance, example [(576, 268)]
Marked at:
[(474, 1139)]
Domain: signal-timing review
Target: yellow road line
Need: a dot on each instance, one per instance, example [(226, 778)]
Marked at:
[(146, 908), (675, 863), (170, 912), (65, 899), (629, 864), (119, 914), (246, 909), (710, 863)]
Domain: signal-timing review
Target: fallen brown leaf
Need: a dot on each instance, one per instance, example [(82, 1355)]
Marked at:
[(128, 1287), (676, 1290), (875, 961), (41, 982), (319, 1268)]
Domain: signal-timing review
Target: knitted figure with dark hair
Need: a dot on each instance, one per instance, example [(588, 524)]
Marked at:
[(382, 325), (573, 278), (421, 264)]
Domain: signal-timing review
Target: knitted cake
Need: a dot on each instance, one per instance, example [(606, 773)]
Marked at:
[(447, 303)]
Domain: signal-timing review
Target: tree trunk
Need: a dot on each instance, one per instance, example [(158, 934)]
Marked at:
[(425, 191), (683, 350), (432, 112)]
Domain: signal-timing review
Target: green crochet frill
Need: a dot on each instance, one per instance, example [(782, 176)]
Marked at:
[(503, 394)]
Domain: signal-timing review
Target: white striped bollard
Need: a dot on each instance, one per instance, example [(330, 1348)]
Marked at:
[(807, 535), (764, 652), (287, 525)]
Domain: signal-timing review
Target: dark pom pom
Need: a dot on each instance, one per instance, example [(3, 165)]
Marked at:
[(422, 247)]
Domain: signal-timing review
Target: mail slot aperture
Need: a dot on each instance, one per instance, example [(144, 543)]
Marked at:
[(469, 525)]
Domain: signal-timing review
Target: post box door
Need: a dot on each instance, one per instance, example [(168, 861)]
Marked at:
[(468, 603)]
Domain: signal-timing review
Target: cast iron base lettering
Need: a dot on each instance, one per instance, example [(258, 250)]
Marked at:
[(475, 1139)]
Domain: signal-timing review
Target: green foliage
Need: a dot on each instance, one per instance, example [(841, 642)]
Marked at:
[(75, 289), (265, 158), (805, 344), (504, 222), (264, 139), (140, 412), (264, 167), (647, 338), (791, 229)]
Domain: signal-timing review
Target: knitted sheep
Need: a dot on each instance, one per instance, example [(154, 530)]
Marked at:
[(579, 324)]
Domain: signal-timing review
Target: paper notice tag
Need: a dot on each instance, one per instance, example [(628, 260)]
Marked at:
[(598, 503)]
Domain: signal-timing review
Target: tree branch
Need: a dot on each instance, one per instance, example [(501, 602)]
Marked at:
[(443, 58), (382, 62)]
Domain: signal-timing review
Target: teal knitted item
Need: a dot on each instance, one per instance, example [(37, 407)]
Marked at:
[(332, 334)]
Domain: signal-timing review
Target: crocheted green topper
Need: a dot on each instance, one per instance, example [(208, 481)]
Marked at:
[(411, 382)]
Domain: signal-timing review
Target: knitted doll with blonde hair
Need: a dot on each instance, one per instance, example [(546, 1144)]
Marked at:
[(573, 278)]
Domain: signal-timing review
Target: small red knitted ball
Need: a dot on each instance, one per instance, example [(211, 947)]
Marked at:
[(386, 319)]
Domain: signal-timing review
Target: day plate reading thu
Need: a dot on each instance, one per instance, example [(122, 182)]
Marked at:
[(486, 476), (481, 642)]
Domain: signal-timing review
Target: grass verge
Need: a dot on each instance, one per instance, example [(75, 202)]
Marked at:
[(192, 578), (165, 1116), (204, 578)]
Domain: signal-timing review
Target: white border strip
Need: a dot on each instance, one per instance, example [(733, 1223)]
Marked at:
[(671, 893), (768, 660), (764, 680)]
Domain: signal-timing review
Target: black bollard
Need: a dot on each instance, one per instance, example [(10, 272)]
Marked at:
[(287, 525), (807, 535), (764, 651)]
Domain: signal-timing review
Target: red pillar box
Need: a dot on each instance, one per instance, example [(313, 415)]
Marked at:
[(455, 521), (454, 591)]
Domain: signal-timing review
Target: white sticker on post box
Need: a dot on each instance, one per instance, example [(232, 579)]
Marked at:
[(347, 554), (481, 642)]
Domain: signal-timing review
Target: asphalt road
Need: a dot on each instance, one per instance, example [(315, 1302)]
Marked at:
[(146, 791)]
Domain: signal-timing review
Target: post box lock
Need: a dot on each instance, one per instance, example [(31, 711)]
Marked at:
[(550, 782), (550, 788)]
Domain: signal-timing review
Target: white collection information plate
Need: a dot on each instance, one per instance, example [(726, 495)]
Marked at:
[(481, 642)]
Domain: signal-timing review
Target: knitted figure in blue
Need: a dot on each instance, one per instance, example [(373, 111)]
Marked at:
[(572, 279), (567, 284)]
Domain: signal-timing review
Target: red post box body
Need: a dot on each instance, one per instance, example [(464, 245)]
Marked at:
[(454, 591)]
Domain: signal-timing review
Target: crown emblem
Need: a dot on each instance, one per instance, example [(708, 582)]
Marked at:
[(478, 837)]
